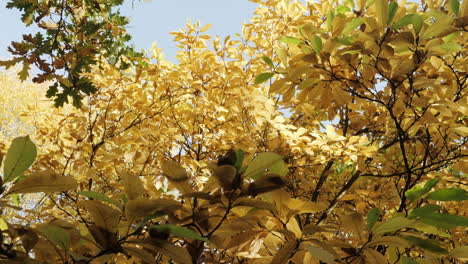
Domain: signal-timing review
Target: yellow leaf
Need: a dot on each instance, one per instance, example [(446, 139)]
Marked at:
[(284, 254), (173, 170), (390, 241), (381, 8), (133, 185), (373, 256), (205, 28), (293, 226), (224, 174), (179, 254), (142, 207), (354, 224), (102, 215), (463, 131), (45, 181)]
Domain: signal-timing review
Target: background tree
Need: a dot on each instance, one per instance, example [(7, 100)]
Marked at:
[(74, 35), (331, 132)]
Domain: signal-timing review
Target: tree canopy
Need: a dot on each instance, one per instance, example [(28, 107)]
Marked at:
[(326, 132)]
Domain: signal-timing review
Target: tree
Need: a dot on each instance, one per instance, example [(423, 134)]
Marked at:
[(331, 132)]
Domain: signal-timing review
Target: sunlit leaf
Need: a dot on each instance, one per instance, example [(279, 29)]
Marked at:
[(19, 158), (266, 162), (451, 194), (418, 191), (45, 181), (352, 25), (316, 43), (99, 196), (392, 9), (290, 40), (263, 77)]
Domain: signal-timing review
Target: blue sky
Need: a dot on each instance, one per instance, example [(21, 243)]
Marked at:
[(152, 21)]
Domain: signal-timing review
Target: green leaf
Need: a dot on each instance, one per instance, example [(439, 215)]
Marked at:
[(356, 22), (24, 73), (290, 40), (451, 194), (428, 244), (263, 77), (266, 161), (57, 235), (373, 217), (99, 196), (414, 19), (178, 231), (394, 224), (316, 44), (3, 224), (455, 6), (417, 191), (342, 9), (451, 47), (268, 61), (239, 159), (392, 9), (330, 17), (19, 158), (407, 260), (429, 215)]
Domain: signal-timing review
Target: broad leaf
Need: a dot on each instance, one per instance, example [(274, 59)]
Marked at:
[(263, 77), (290, 40), (283, 255), (373, 256), (316, 44), (451, 194), (266, 161), (268, 61), (393, 224), (459, 252), (455, 6), (56, 234), (102, 215), (46, 181), (320, 253), (178, 231), (19, 158), (173, 170), (429, 214), (99, 196), (133, 185), (142, 207), (417, 191), (266, 183), (352, 25), (372, 217), (392, 9), (179, 254), (428, 244)]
